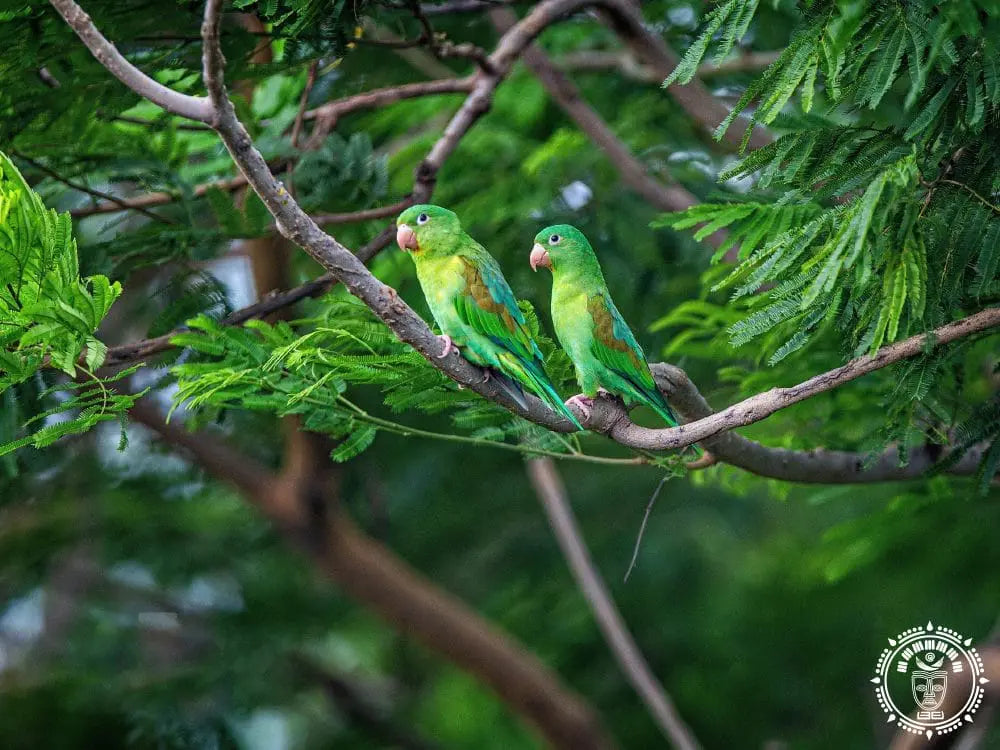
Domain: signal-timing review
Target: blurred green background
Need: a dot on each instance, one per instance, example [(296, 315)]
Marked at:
[(143, 604)]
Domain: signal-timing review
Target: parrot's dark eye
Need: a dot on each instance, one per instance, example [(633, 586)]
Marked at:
[(422, 219), (554, 239)]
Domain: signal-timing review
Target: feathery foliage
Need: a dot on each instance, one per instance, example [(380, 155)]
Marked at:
[(306, 367), (872, 215), (49, 313)]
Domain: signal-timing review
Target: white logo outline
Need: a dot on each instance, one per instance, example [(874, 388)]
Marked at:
[(931, 648)]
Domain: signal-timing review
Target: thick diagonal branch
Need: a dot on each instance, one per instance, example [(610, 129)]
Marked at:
[(694, 98), (819, 465), (552, 493), (758, 407)]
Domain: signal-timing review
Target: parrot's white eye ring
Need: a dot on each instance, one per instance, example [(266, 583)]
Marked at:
[(423, 219), (555, 239)]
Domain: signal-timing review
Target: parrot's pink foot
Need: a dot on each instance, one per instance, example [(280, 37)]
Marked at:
[(448, 346), (581, 402), (486, 376)]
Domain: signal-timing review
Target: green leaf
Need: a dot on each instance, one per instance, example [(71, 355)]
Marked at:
[(356, 443), (809, 82), (688, 65), (930, 111)]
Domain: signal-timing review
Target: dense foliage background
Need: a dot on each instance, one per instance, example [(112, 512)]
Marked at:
[(146, 604)]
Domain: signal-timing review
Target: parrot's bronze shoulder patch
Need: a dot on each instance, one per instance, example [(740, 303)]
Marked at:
[(604, 328), (481, 294)]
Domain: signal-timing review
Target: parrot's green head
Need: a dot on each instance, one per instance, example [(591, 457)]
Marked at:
[(564, 250), (427, 229)]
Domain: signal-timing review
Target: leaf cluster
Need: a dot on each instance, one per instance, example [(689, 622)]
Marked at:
[(872, 215), (307, 367)]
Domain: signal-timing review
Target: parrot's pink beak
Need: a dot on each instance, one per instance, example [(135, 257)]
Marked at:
[(406, 238), (539, 257)]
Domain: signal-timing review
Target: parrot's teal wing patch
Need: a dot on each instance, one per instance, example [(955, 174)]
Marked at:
[(615, 347), (489, 307), (614, 344)]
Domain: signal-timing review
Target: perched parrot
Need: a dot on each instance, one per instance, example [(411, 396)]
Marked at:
[(473, 304), (590, 328)]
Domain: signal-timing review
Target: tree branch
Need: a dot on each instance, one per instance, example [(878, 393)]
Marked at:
[(372, 575), (813, 466), (625, 63), (327, 115), (353, 217), (762, 405), (192, 107), (552, 494), (694, 98), (147, 200), (566, 95), (303, 100), (460, 6), (607, 416)]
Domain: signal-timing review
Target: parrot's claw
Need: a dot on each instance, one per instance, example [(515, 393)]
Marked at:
[(581, 402), (448, 346), (486, 376)]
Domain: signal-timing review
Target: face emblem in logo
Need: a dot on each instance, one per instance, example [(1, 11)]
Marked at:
[(930, 680)]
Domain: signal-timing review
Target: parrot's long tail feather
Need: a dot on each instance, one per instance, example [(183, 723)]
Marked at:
[(532, 376), (661, 407), (512, 388)]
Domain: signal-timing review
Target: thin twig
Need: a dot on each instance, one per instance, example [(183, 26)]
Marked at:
[(406, 431), (354, 217), (146, 200), (303, 100), (972, 192), (642, 526), (122, 203), (327, 115)]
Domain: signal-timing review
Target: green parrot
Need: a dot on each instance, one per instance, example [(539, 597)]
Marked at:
[(473, 304), (590, 328)]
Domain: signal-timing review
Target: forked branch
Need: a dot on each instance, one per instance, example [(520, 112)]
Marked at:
[(607, 416)]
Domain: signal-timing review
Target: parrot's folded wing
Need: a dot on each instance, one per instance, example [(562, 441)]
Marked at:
[(615, 347), (488, 306)]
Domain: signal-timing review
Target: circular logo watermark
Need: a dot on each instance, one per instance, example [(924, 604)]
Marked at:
[(929, 680)]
